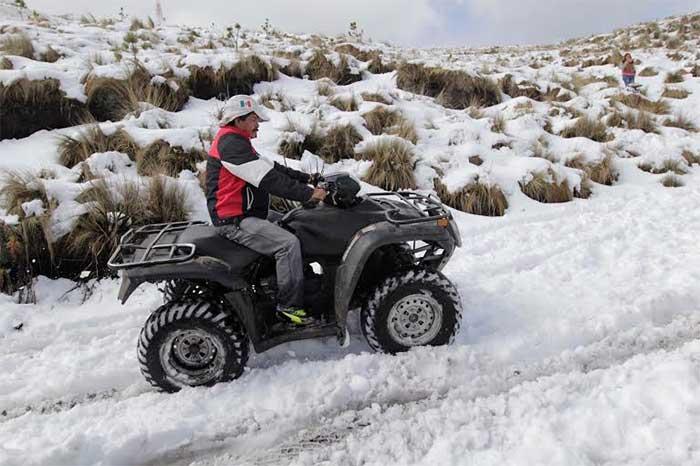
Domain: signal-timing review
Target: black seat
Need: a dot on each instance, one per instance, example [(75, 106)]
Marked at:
[(210, 243)]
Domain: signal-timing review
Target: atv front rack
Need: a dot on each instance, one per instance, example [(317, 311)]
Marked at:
[(153, 244), (429, 208)]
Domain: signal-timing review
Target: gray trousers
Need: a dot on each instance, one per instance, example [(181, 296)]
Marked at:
[(270, 239)]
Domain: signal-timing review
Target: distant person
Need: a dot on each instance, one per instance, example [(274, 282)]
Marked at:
[(628, 70)]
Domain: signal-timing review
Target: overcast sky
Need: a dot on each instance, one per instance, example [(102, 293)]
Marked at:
[(405, 22)]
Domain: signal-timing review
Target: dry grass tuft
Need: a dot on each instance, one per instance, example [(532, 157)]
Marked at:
[(475, 198), (344, 104), (641, 120), (675, 93), (28, 106), (672, 181), (17, 44), (160, 158), (375, 97), (241, 77), (648, 71), (392, 167), (5, 63), (513, 89), (50, 55), (19, 187), (660, 107), (72, 151), (669, 165), (165, 201), (498, 124), (544, 187), (384, 121), (339, 143), (587, 128), (110, 99), (203, 82), (675, 77), (681, 121), (691, 157), (452, 89), (293, 68), (321, 67), (602, 172)]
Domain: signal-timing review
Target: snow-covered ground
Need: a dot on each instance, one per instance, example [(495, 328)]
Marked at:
[(579, 344)]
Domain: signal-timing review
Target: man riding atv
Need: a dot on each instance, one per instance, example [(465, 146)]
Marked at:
[(239, 183)]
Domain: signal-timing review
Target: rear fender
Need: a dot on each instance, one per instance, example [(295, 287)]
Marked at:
[(368, 240), (200, 268)]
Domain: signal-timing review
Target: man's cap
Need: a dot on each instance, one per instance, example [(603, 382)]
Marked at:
[(241, 105)]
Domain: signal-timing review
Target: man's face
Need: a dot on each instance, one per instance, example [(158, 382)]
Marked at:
[(250, 124)]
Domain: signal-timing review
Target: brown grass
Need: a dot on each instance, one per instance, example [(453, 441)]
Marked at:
[(513, 89), (498, 124), (691, 157), (675, 77), (293, 68), (641, 120), (160, 158), (452, 89), (669, 165), (345, 104), (375, 97), (320, 67), (587, 128), (681, 121), (475, 198), (602, 172), (5, 63), (203, 82), (165, 201), (18, 187), (544, 187), (339, 143), (110, 99), (392, 167), (648, 71), (241, 77), (28, 106), (382, 120), (50, 55), (675, 93), (17, 44), (672, 181), (72, 151), (660, 107)]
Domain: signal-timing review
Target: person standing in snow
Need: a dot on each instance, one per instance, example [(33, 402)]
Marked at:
[(628, 70), (239, 183)]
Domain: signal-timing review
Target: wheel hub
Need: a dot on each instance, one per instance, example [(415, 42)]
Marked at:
[(192, 357), (415, 320)]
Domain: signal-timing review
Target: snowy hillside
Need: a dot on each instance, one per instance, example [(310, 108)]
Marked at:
[(577, 200)]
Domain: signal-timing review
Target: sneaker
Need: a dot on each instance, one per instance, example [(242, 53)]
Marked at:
[(293, 315)]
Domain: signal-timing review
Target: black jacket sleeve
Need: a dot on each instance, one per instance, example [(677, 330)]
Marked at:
[(294, 174), (239, 157)]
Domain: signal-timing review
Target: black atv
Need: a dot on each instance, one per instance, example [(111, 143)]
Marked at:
[(379, 252)]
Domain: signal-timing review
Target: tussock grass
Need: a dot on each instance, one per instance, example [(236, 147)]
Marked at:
[(615, 120), (382, 120), (691, 157), (475, 198), (681, 121), (660, 107), (513, 89), (498, 124), (325, 87), (378, 66), (17, 44), (602, 172), (19, 187), (376, 97), (362, 55), (544, 187), (160, 158), (641, 120), (392, 167), (28, 106), (241, 77), (675, 93), (345, 104), (587, 128), (50, 55), (675, 77), (73, 150), (672, 181), (110, 99), (319, 66), (170, 95), (669, 165), (339, 143), (203, 82), (452, 89), (165, 201), (648, 71), (5, 63), (293, 69), (695, 70)]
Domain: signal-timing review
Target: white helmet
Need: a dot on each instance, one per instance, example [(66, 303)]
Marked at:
[(241, 105)]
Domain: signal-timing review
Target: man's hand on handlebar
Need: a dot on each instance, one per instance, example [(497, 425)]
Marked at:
[(315, 179), (318, 195)]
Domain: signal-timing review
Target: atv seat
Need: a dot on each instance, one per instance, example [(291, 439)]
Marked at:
[(209, 243)]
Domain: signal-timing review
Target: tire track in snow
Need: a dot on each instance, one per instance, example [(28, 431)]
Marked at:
[(267, 445)]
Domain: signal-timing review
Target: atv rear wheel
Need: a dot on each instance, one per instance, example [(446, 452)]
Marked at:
[(187, 344), (414, 308)]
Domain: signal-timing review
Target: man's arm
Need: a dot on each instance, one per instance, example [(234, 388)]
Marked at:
[(238, 157), (294, 174)]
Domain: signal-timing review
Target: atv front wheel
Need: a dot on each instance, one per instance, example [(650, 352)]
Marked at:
[(415, 308), (187, 344)]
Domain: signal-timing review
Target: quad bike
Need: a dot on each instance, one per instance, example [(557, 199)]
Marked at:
[(381, 253)]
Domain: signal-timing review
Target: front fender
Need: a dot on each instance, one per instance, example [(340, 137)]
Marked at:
[(368, 240)]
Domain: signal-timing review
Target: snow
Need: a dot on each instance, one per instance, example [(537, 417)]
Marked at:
[(580, 338)]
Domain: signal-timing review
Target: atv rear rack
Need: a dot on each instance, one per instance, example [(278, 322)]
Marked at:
[(141, 246), (429, 208)]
